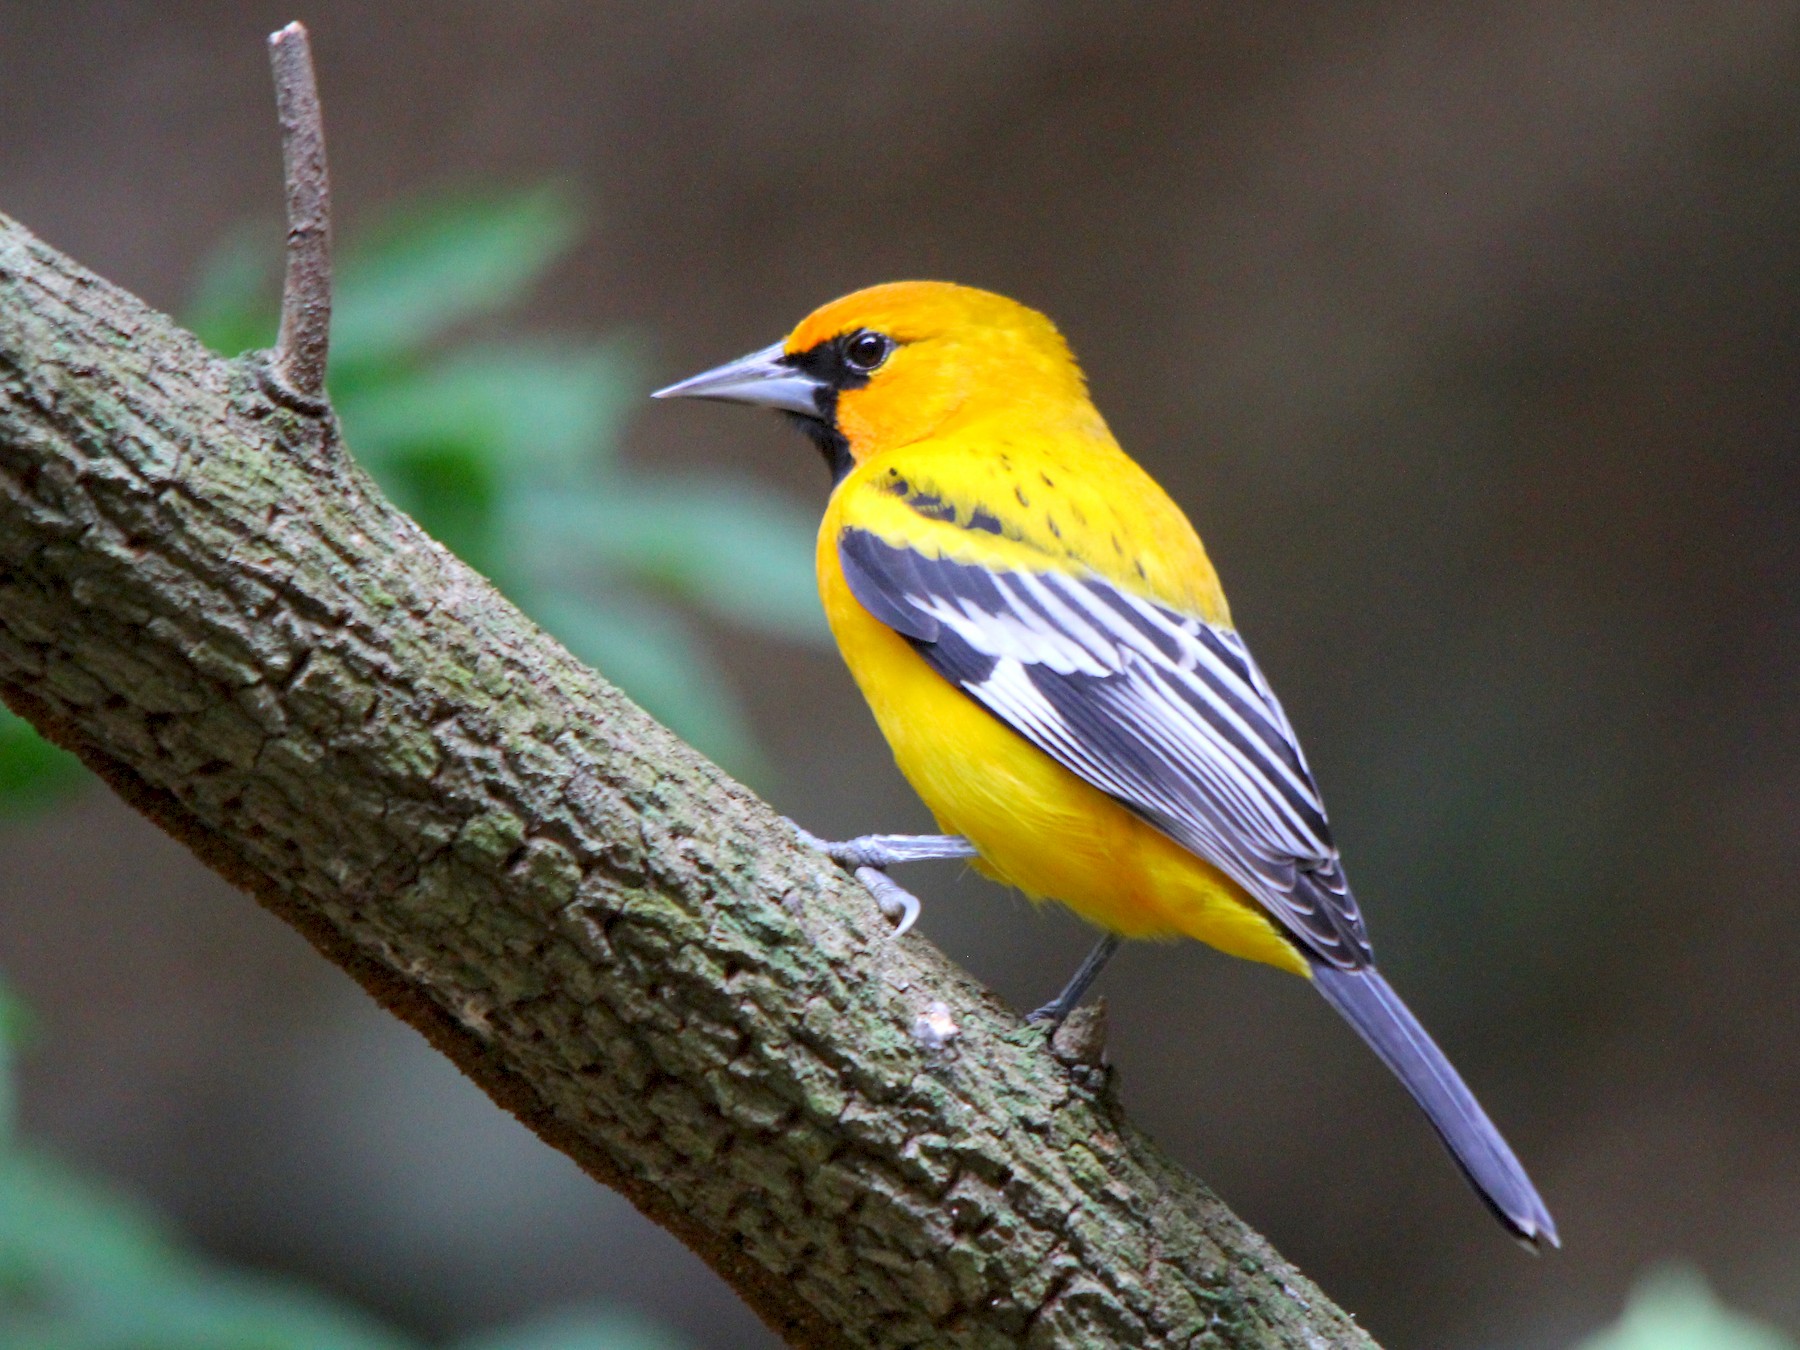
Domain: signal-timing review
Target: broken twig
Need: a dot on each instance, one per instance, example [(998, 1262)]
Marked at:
[(297, 370)]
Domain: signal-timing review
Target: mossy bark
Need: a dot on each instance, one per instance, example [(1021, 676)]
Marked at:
[(204, 597)]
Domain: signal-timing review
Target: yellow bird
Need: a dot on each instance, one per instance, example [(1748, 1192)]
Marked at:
[(1048, 651)]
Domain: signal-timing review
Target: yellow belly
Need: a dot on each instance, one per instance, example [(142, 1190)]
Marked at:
[(1036, 825)]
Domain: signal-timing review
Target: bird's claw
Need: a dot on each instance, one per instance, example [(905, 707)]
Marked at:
[(900, 905)]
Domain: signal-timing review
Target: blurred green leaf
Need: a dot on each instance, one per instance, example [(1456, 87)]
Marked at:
[(729, 545), (544, 408), (233, 308), (15, 1027), (601, 1330), (452, 488), (450, 442), (82, 1267), (440, 264), (33, 773), (420, 273), (653, 656), (85, 1268), (1672, 1309)]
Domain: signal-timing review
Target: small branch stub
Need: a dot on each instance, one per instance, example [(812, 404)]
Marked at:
[(297, 370), (1081, 1039)]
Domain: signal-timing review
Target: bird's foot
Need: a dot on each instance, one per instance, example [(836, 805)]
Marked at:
[(867, 854)]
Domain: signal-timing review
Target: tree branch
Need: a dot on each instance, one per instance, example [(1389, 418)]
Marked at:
[(297, 370), (204, 598)]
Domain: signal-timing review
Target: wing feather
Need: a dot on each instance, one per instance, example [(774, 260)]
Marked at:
[(1162, 711)]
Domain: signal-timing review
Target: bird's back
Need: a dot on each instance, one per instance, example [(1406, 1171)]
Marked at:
[(1027, 488)]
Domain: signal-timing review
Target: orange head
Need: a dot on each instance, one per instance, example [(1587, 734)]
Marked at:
[(894, 364)]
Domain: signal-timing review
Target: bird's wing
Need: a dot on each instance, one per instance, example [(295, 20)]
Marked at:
[(1163, 711)]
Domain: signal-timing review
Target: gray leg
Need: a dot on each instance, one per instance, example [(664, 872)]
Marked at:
[(888, 850), (1086, 973)]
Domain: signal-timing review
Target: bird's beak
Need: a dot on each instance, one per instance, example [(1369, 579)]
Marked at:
[(763, 378)]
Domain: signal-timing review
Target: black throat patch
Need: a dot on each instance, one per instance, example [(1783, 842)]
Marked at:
[(828, 364), (826, 438)]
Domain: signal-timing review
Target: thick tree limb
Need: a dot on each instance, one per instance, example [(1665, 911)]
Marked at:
[(203, 596)]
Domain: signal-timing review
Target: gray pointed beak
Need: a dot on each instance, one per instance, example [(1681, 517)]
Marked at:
[(762, 378)]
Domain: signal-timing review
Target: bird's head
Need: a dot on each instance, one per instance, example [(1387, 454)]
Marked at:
[(891, 365)]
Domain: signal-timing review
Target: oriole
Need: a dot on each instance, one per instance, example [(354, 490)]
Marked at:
[(1048, 651)]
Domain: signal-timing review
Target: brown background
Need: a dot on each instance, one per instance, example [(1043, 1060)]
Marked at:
[(1468, 335)]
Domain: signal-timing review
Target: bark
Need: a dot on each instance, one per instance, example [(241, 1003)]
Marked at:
[(205, 598)]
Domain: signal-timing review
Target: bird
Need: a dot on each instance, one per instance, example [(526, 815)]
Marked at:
[(1047, 649)]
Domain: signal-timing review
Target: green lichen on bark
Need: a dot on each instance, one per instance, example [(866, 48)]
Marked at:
[(203, 596)]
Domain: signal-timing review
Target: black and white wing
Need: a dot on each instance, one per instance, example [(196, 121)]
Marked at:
[(1160, 710), (1170, 716)]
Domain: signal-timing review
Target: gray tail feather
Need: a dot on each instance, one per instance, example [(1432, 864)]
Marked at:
[(1375, 1010)]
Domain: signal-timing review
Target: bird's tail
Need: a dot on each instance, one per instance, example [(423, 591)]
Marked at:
[(1375, 1010)]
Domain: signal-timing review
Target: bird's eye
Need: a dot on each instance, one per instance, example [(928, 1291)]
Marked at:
[(865, 351)]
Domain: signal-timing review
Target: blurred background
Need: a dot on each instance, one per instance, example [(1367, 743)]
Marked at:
[(1468, 335)]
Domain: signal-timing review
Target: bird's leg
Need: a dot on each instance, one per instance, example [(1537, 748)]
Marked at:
[(1086, 973), (888, 850), (868, 854)]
